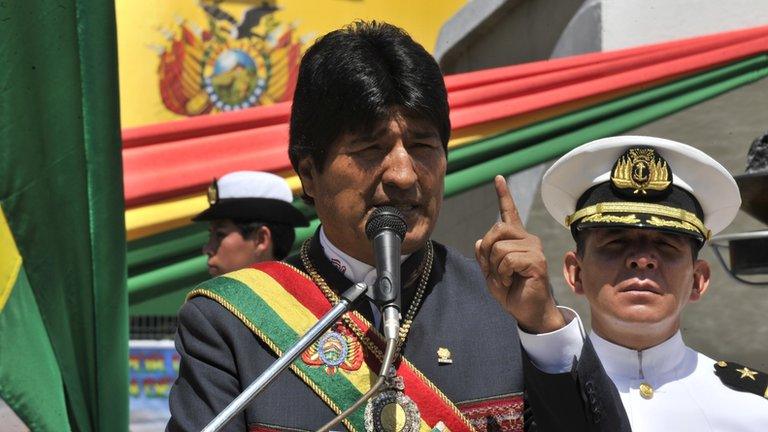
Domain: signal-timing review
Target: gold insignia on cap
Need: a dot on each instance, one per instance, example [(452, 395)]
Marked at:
[(641, 169), (601, 218), (444, 356), (747, 373), (646, 391), (213, 192)]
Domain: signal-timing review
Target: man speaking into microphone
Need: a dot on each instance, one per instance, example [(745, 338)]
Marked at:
[(369, 128)]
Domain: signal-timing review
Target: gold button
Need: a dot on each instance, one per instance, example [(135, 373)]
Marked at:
[(646, 391), (722, 364)]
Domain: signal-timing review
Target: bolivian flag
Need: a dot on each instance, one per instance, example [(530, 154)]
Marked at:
[(63, 307)]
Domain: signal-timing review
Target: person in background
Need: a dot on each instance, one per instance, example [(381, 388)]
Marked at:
[(640, 209), (251, 220)]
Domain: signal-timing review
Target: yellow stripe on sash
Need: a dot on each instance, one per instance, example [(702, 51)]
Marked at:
[(298, 317)]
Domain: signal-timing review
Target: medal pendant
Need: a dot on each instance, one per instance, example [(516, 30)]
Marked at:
[(392, 410)]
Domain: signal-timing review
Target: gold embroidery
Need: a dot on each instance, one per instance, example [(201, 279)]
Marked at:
[(655, 221), (640, 207), (641, 169), (601, 218)]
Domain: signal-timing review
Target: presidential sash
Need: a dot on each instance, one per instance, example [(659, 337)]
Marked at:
[(279, 304)]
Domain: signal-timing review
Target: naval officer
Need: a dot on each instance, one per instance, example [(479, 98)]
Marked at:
[(640, 209), (250, 219)]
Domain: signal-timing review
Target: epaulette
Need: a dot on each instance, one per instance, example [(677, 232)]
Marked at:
[(742, 378)]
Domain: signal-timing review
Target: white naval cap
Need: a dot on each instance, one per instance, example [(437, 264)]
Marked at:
[(642, 182), (252, 196), (253, 184)]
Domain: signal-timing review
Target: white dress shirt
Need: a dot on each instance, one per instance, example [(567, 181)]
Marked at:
[(354, 269)]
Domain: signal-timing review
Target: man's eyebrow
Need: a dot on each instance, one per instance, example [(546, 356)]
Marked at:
[(426, 133), (369, 136)]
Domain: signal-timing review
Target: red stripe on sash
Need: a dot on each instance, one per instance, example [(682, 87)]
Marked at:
[(300, 287)]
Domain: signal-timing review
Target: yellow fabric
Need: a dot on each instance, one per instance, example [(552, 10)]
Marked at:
[(10, 260), (298, 317)]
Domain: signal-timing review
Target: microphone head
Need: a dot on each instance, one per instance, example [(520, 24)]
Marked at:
[(386, 218)]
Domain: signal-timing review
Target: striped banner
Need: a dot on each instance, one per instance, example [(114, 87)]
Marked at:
[(279, 304)]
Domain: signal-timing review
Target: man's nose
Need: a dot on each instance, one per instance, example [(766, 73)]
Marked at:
[(642, 260), (209, 248), (399, 170)]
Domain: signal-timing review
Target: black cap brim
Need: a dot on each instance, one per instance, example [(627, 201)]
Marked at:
[(265, 210)]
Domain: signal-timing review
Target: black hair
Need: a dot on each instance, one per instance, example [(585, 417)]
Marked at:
[(354, 78), (283, 236), (581, 238)]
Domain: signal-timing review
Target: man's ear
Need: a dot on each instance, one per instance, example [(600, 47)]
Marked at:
[(701, 277), (572, 272), (307, 175), (263, 237)]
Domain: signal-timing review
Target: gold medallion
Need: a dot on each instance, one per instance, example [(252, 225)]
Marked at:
[(392, 410), (646, 391)]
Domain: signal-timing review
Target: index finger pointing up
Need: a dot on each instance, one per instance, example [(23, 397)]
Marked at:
[(507, 208)]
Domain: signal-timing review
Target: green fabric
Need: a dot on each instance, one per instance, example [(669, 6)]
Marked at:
[(512, 162), (488, 148), (61, 190), (260, 315), (37, 397)]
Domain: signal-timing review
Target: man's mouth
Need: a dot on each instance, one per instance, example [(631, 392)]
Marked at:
[(640, 285)]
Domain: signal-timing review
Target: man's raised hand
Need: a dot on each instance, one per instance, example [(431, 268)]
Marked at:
[(515, 269)]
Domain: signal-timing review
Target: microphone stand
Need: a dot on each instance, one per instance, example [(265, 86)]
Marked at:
[(348, 298)]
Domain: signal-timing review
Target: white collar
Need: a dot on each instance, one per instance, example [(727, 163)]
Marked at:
[(646, 364), (354, 269)]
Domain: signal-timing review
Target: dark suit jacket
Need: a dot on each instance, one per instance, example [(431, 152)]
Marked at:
[(220, 357)]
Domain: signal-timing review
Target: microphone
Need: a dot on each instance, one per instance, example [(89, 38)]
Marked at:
[(386, 229)]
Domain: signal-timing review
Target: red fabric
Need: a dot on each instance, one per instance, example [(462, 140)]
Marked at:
[(604, 64), (175, 158), (155, 172), (503, 414), (468, 116), (301, 288), (262, 428), (215, 124), (490, 76)]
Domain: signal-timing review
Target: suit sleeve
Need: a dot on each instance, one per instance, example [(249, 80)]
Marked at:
[(207, 380), (583, 399)]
